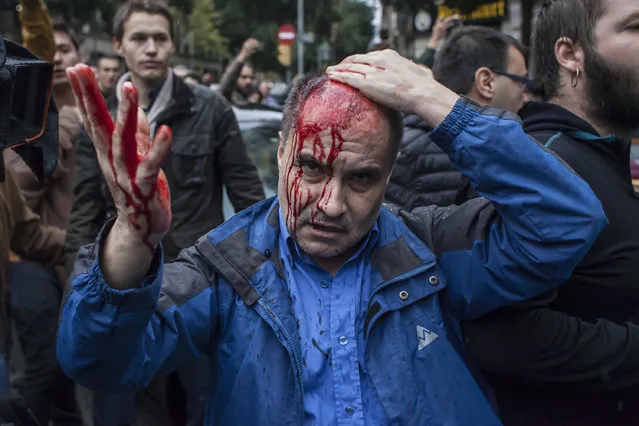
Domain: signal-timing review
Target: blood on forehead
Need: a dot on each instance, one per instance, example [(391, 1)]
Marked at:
[(331, 104)]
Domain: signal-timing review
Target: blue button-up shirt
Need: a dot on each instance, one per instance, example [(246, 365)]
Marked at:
[(329, 312)]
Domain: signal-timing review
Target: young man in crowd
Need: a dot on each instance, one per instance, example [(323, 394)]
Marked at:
[(108, 70)]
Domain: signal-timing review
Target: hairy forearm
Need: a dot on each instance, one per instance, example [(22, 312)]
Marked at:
[(125, 258)]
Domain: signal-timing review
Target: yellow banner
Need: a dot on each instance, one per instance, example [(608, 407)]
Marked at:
[(494, 10)]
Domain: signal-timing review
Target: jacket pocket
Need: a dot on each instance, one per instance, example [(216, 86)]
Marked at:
[(192, 161)]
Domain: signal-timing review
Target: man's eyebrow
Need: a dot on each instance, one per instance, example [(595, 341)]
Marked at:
[(308, 158), (148, 34), (369, 169)]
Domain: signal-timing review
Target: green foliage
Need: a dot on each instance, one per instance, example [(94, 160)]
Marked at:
[(204, 21), (224, 25), (355, 29)]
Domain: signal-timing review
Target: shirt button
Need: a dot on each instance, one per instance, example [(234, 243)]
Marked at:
[(433, 280), (343, 341), (324, 284), (349, 410)]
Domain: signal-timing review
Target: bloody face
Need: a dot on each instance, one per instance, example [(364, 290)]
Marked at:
[(334, 168)]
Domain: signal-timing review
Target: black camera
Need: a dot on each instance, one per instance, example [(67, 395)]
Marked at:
[(28, 116)]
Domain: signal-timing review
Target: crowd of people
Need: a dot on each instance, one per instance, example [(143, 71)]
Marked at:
[(452, 241)]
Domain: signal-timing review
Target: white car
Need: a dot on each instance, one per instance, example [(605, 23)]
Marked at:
[(260, 131)]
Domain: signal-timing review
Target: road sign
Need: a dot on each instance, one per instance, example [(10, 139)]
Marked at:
[(284, 54), (286, 34)]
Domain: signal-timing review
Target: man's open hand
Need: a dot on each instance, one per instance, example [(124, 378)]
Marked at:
[(129, 162)]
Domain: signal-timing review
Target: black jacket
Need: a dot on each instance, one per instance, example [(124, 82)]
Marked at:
[(571, 357), (423, 174), (207, 153)]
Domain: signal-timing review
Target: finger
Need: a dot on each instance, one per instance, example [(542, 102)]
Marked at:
[(357, 58), (355, 80), (363, 69), (152, 161), (74, 81), (142, 134), (96, 131), (72, 76), (94, 100), (125, 151)]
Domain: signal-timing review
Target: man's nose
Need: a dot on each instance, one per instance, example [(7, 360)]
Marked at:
[(332, 199), (57, 58), (150, 48)]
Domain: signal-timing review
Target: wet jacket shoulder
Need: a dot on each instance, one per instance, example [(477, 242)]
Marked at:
[(423, 174)]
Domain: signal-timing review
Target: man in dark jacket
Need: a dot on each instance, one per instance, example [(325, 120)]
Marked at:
[(487, 66), (572, 356), (207, 152)]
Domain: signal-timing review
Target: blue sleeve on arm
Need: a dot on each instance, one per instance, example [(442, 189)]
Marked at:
[(115, 340), (544, 219)]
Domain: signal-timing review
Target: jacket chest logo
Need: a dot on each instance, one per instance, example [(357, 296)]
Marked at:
[(425, 337)]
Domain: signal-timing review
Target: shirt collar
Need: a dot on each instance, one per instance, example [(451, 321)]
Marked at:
[(290, 248)]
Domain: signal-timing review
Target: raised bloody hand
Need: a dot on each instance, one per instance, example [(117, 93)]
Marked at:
[(129, 162), (399, 83)]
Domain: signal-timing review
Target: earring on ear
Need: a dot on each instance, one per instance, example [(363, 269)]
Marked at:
[(574, 79)]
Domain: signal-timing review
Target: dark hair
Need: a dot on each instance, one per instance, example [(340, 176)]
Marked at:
[(301, 90), (468, 49), (107, 56), (62, 27), (574, 19), (152, 7)]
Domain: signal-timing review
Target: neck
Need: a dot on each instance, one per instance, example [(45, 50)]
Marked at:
[(575, 104), (144, 88), (63, 95)]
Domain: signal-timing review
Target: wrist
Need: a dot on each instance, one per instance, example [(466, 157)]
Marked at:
[(433, 43), (129, 237), (433, 104)]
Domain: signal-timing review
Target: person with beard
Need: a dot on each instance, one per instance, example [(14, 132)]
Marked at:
[(237, 81), (571, 356)]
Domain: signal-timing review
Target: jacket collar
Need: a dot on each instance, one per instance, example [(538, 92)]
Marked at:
[(250, 239), (173, 95)]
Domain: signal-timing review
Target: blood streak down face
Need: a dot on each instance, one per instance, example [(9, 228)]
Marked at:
[(334, 168)]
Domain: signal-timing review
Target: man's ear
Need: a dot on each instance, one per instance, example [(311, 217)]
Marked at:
[(485, 84), (117, 47), (280, 151), (570, 55)]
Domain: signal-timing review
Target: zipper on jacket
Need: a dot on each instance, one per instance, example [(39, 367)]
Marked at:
[(298, 366), (395, 280)]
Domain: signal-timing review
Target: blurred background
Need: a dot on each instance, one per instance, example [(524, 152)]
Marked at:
[(209, 33)]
